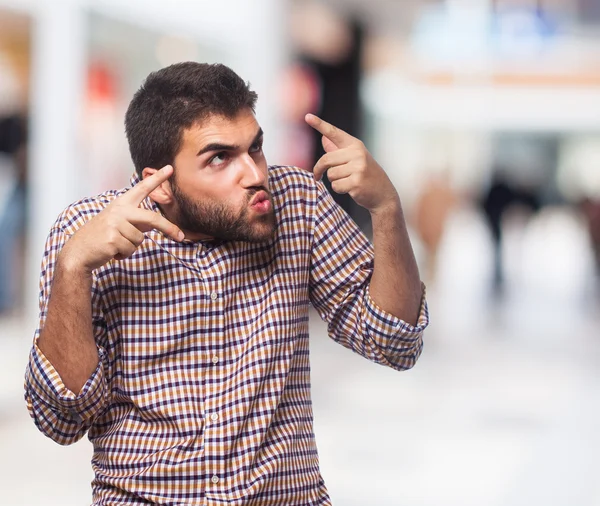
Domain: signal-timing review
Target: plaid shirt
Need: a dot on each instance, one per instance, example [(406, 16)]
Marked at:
[(202, 392)]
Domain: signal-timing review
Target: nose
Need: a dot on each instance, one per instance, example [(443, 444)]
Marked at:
[(252, 174)]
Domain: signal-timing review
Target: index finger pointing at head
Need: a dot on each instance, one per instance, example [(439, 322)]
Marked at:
[(145, 187), (340, 138)]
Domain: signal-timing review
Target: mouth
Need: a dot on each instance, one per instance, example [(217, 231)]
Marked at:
[(261, 202), (260, 196)]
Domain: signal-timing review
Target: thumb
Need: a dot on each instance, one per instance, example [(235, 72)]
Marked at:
[(328, 144)]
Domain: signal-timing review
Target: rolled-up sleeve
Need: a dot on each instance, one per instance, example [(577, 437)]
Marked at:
[(59, 413), (401, 343), (341, 270)]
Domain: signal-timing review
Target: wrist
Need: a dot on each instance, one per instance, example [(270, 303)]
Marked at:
[(391, 206), (71, 265)]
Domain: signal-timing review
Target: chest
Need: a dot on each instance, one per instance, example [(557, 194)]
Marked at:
[(237, 299)]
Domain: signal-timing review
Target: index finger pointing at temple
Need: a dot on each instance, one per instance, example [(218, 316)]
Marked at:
[(140, 191), (340, 138)]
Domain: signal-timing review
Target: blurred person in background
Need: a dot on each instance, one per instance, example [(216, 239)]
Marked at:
[(331, 51), (591, 211), (12, 204), (523, 180), (174, 313), (579, 181), (502, 196), (432, 210)]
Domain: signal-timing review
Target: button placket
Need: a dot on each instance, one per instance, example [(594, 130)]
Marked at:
[(215, 303)]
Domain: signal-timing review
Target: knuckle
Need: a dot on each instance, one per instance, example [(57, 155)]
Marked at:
[(166, 226), (362, 158), (112, 236), (142, 186), (154, 220)]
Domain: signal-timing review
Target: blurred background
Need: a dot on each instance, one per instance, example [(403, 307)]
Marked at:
[(486, 116)]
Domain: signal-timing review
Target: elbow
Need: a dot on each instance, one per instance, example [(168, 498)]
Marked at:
[(62, 437), (409, 357), (55, 425)]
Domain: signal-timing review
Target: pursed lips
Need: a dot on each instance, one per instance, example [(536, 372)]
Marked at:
[(261, 196)]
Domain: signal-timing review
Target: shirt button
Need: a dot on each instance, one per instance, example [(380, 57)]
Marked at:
[(215, 479), (215, 360), (214, 296), (214, 417)]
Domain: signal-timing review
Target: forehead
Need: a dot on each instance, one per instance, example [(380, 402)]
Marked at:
[(217, 128)]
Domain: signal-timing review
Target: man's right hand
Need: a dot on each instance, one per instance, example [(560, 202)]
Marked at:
[(118, 230)]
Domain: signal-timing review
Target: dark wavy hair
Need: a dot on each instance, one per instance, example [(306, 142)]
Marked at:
[(175, 98)]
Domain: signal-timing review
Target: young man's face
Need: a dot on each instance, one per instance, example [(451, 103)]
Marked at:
[(220, 187)]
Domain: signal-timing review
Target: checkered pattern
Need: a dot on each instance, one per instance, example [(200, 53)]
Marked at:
[(202, 393)]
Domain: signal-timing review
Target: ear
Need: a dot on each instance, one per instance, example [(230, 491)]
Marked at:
[(162, 194)]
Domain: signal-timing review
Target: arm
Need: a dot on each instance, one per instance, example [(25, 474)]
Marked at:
[(66, 339), (341, 273), (58, 412), (65, 381), (395, 284)]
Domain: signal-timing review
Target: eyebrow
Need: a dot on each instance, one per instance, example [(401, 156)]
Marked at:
[(217, 146)]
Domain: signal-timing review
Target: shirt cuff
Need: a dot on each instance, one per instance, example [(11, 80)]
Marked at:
[(46, 384), (384, 324)]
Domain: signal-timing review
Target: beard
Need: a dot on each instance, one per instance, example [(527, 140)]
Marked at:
[(220, 221)]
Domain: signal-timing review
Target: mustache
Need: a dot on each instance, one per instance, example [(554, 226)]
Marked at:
[(254, 190)]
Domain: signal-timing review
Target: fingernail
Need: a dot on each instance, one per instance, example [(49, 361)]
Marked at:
[(181, 236)]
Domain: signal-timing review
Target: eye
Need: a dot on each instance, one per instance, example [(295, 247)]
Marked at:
[(256, 148), (218, 159)]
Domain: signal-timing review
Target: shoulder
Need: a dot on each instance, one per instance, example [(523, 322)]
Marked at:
[(286, 177), (289, 183), (292, 185), (78, 213)]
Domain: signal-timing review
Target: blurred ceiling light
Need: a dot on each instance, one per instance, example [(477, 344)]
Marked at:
[(320, 32), (173, 49), (522, 30), (454, 33)]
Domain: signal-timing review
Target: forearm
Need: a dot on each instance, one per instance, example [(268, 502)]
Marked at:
[(395, 284), (67, 339)]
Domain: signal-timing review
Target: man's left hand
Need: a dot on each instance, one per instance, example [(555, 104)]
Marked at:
[(351, 168)]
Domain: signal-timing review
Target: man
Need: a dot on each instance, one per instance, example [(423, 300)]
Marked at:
[(174, 313)]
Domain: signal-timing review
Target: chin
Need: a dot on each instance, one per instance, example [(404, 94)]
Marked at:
[(263, 232)]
